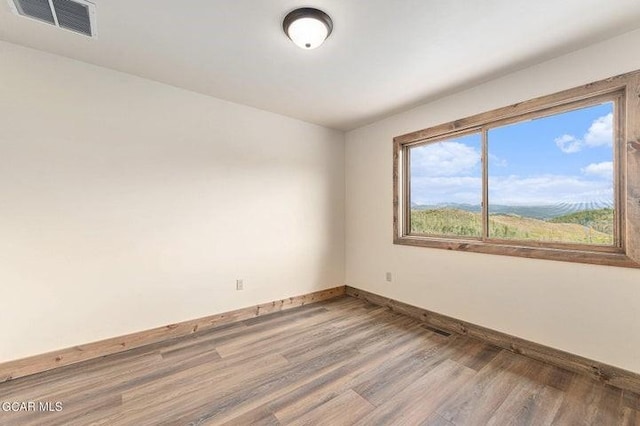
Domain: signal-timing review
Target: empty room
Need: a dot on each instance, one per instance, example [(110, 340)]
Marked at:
[(329, 212)]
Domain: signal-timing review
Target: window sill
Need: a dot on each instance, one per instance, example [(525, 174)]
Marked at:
[(613, 258)]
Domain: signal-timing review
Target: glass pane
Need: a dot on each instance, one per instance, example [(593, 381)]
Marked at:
[(446, 187), (551, 179)]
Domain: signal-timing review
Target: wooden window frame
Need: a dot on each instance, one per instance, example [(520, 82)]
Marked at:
[(624, 91)]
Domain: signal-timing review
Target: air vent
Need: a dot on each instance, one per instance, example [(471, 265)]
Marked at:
[(437, 330), (74, 15)]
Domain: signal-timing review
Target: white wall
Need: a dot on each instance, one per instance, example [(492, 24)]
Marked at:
[(589, 310), (126, 204)]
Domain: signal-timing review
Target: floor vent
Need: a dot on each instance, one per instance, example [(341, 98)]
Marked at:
[(437, 330), (74, 15)]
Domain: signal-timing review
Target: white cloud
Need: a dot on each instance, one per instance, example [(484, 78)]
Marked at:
[(513, 190), (435, 190), (568, 144), (549, 189), (496, 161), (603, 170), (600, 133), (444, 159)]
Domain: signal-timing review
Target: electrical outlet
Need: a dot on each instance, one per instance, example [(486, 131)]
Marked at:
[(389, 277), (239, 284)]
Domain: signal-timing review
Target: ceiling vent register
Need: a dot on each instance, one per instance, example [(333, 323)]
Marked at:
[(77, 15)]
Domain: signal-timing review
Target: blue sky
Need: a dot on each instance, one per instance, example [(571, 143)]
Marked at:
[(562, 159)]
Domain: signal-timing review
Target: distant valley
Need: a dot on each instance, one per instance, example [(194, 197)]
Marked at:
[(543, 212)]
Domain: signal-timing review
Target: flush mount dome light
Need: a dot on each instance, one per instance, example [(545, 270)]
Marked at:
[(307, 27)]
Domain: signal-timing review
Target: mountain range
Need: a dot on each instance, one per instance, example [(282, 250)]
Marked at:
[(543, 212)]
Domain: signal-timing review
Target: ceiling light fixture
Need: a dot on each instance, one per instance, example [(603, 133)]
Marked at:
[(307, 27)]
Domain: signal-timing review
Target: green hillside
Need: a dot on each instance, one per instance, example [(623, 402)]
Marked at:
[(572, 228), (600, 220)]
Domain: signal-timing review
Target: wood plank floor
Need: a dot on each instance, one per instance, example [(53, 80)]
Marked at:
[(339, 362)]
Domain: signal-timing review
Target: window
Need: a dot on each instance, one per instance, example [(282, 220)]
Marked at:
[(556, 178)]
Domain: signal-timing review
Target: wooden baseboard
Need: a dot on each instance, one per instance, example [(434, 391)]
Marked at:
[(39, 363), (611, 375)]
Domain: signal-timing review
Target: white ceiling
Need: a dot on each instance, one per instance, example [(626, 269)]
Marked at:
[(383, 56)]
